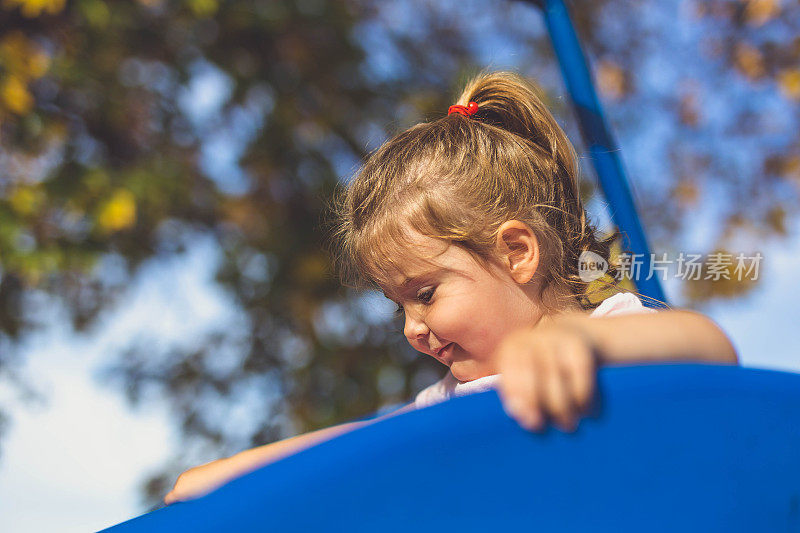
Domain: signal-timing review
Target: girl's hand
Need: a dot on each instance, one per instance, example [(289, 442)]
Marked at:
[(547, 372)]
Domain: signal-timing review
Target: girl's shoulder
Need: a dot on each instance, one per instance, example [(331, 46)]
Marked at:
[(622, 303), (438, 392), (449, 386)]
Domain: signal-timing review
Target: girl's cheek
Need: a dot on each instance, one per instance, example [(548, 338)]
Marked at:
[(450, 321)]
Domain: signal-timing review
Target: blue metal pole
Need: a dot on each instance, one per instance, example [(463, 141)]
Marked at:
[(597, 136)]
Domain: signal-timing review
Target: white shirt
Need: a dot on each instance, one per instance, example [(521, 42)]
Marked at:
[(623, 303)]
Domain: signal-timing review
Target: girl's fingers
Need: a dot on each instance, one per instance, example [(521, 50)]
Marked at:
[(520, 391), (557, 398), (580, 376), (546, 379)]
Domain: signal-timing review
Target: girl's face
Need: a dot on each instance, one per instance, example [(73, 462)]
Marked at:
[(455, 310)]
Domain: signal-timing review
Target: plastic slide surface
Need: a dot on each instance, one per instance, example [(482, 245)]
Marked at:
[(670, 448)]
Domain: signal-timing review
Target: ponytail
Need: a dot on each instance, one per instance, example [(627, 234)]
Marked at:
[(515, 104), (460, 177)]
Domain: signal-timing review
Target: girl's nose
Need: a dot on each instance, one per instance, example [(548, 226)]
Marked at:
[(414, 328)]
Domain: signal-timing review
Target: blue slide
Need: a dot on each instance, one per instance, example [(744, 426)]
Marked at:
[(670, 448)]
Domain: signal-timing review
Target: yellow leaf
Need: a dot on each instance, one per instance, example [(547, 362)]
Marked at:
[(96, 13), (34, 8), (203, 8), (749, 60), (95, 182), (38, 63), (22, 57), (686, 192), (25, 200), (118, 213), (14, 93), (611, 80), (13, 50), (776, 219), (789, 83), (791, 168), (759, 12), (311, 268)]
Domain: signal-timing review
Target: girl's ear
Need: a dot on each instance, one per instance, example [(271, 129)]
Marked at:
[(519, 250)]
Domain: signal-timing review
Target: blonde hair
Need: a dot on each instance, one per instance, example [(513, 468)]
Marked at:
[(459, 178)]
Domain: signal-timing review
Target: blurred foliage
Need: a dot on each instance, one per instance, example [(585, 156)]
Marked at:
[(127, 127)]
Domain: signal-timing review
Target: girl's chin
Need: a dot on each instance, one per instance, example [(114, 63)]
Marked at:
[(465, 371)]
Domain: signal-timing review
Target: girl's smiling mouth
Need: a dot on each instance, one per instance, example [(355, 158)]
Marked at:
[(445, 354)]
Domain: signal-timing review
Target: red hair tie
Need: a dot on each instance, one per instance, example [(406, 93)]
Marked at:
[(466, 110)]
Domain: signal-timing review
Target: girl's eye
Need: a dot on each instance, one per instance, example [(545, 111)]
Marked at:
[(426, 295)]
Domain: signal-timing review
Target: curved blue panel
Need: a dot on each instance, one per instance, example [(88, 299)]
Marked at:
[(671, 448)]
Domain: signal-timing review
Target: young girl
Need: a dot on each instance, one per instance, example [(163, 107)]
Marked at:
[(473, 224)]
